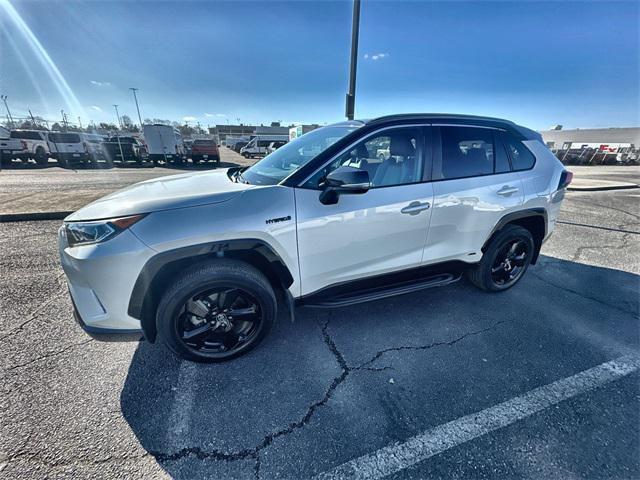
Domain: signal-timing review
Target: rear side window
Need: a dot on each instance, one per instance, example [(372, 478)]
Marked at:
[(26, 135), (64, 137), (466, 152), (521, 156)]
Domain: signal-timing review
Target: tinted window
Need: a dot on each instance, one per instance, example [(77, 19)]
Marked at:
[(466, 152), (521, 156), (390, 158), (64, 137), (26, 135)]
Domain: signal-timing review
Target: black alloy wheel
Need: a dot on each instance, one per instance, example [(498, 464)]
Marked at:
[(510, 263), (219, 321)]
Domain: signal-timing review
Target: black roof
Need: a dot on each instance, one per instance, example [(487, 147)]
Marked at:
[(453, 118)]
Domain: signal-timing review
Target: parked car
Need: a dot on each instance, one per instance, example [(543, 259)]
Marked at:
[(121, 150), (67, 148), (273, 146), (205, 150), (164, 143), (93, 143), (195, 261), (239, 145), (10, 147), (36, 145), (257, 146)]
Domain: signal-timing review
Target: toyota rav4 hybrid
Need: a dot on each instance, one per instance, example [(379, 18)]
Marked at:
[(203, 261)]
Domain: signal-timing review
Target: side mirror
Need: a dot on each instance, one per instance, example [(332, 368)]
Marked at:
[(344, 180)]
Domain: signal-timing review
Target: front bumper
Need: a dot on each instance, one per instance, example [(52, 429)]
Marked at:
[(100, 279)]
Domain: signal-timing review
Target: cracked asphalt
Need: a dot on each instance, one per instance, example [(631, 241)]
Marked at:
[(335, 385)]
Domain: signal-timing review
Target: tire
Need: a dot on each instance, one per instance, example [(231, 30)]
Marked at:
[(182, 311), (41, 156), (496, 271)]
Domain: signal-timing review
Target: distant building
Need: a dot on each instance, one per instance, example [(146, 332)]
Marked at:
[(559, 139), (221, 132), (299, 130)]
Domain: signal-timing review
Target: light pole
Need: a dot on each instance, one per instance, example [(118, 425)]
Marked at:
[(4, 99), (355, 30), (135, 97), (118, 115)]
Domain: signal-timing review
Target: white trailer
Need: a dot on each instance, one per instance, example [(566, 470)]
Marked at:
[(164, 143)]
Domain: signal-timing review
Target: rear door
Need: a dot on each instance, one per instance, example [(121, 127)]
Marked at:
[(380, 231), (474, 186)]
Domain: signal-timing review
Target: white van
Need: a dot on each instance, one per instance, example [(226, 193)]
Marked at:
[(258, 144), (67, 148), (164, 143)]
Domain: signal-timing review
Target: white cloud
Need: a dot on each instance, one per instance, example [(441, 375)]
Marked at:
[(96, 108), (189, 119), (209, 115), (100, 84), (375, 56)]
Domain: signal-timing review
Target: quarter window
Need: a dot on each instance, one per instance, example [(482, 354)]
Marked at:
[(466, 152), (521, 156)]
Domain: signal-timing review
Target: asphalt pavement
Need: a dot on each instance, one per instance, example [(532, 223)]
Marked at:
[(338, 386)]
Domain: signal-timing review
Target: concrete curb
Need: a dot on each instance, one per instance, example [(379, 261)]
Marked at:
[(33, 216), (602, 189)]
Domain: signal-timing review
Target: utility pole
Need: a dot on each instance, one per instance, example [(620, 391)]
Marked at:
[(118, 115), (135, 97), (33, 120), (80, 123), (64, 120), (4, 99), (355, 31)]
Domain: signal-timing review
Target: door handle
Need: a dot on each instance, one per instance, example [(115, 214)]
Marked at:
[(415, 207), (507, 190)]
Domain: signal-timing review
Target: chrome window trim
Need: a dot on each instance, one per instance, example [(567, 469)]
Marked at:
[(351, 145)]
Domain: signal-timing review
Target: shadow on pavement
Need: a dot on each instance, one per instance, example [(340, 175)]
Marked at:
[(195, 419)]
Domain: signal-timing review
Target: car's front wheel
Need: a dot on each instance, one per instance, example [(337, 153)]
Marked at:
[(505, 260), (216, 311)]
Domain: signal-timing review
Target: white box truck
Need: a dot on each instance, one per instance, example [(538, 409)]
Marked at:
[(164, 143)]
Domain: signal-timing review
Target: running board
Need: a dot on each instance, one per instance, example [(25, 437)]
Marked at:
[(377, 293)]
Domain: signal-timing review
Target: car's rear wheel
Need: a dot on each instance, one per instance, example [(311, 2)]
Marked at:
[(216, 311), (41, 156), (505, 260)]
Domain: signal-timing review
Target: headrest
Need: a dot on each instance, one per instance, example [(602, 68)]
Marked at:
[(401, 145)]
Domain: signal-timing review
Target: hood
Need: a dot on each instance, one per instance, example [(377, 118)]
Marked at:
[(164, 193)]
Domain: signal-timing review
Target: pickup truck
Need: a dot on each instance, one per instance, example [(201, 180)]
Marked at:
[(205, 150), (10, 147), (123, 150)]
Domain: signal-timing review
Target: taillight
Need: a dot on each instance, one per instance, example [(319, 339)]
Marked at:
[(24, 144), (565, 179)]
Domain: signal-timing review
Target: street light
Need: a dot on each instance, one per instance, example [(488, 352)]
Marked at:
[(118, 115), (4, 99), (355, 30), (135, 97)]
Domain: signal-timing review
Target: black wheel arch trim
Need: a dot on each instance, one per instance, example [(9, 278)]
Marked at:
[(520, 215), (144, 296)]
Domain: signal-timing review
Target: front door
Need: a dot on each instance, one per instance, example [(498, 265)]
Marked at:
[(380, 231)]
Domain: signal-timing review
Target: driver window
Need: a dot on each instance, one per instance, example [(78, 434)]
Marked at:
[(390, 158)]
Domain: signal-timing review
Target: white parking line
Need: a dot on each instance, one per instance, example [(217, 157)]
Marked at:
[(397, 457)]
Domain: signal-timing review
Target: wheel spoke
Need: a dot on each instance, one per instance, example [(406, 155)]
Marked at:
[(230, 340), (227, 298), (497, 269), (244, 313), (197, 332), (519, 260)]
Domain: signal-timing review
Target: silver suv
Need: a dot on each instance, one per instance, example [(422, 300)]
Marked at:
[(203, 261)]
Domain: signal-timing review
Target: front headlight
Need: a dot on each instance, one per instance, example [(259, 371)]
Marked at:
[(86, 233)]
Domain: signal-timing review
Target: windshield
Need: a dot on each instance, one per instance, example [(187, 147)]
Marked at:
[(278, 165)]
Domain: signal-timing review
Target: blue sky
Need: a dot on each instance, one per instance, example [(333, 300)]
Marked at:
[(538, 63)]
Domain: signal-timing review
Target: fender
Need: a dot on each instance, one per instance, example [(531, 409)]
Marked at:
[(151, 280), (517, 218)]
